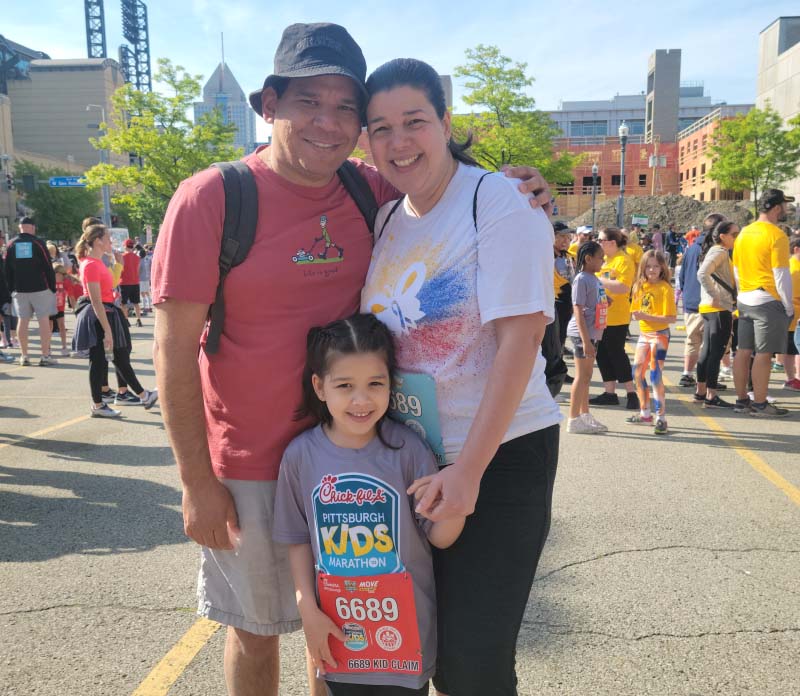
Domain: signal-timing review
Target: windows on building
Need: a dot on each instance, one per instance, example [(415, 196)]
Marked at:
[(615, 179), (579, 129), (642, 179), (636, 126), (686, 122)]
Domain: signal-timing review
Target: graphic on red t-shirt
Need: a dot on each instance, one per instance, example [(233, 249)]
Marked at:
[(303, 256)]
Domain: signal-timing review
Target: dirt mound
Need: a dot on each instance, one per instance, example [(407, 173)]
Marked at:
[(682, 211)]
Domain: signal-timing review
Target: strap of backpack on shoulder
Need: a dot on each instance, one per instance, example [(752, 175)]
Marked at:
[(360, 191), (238, 234), (475, 200)]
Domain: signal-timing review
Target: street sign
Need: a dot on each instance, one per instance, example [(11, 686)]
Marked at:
[(67, 181), (640, 220)]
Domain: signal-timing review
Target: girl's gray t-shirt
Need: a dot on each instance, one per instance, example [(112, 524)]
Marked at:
[(308, 511), (586, 293)]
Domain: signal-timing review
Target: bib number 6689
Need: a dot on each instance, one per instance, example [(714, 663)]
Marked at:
[(405, 404), (373, 609)]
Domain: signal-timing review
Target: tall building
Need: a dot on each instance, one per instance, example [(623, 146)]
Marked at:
[(663, 95), (223, 92), (779, 74), (49, 107)]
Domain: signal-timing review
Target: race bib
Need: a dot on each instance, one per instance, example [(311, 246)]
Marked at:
[(601, 310), (24, 250), (378, 616), (413, 403)]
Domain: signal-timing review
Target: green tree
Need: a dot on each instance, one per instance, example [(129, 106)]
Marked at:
[(506, 128), (755, 152), (58, 211), (157, 132)]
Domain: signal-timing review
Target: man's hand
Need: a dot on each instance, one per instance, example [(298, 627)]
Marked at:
[(209, 515), (450, 493), (532, 182), (318, 626)]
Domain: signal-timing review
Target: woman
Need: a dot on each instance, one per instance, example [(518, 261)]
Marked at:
[(717, 302), (462, 274), (101, 327), (616, 276)]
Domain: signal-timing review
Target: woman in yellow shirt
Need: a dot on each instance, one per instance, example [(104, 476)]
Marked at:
[(793, 383), (616, 276)]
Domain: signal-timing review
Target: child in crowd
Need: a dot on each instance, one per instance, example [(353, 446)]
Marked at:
[(61, 304), (342, 505), (590, 306), (653, 305)]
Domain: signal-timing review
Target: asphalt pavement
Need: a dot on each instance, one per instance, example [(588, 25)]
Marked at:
[(672, 565)]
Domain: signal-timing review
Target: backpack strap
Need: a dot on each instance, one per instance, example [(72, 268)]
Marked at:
[(358, 188), (238, 234), (391, 212), (475, 200)]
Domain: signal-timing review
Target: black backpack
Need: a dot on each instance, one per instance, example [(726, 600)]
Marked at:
[(241, 218)]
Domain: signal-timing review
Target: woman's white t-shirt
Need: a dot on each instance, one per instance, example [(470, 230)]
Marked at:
[(438, 283)]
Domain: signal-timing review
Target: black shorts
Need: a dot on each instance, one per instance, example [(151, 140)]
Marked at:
[(57, 315), (791, 348), (484, 579), (130, 293), (340, 689)]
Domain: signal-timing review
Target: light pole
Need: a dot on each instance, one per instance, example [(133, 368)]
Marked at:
[(623, 141), (595, 169), (104, 159)]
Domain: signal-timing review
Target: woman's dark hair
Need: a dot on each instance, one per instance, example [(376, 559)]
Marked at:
[(586, 249), (614, 234), (360, 333), (711, 221), (712, 238), (409, 72)]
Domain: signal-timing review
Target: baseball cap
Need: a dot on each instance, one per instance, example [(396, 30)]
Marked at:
[(585, 229), (129, 244), (27, 220), (559, 226), (772, 197), (308, 50)]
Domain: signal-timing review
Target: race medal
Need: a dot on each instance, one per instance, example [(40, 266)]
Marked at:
[(601, 310), (413, 403), (378, 616)]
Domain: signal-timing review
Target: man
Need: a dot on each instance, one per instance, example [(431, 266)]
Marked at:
[(146, 255), (582, 234), (690, 293), (32, 283), (129, 281), (672, 245), (230, 415), (657, 238), (761, 267)]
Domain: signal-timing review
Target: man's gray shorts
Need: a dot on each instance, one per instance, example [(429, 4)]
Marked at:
[(41, 303), (250, 588), (763, 328)]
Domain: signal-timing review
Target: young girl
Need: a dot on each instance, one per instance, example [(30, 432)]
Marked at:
[(653, 304), (61, 304), (342, 505), (590, 306)]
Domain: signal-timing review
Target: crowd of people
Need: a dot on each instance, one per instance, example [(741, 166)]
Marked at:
[(39, 278), (740, 297)]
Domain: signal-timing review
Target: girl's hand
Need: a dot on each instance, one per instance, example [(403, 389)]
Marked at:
[(318, 626), (451, 493), (590, 351), (108, 342)]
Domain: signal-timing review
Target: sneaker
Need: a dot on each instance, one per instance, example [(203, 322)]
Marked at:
[(770, 399), (699, 398), (581, 426), (64, 352), (633, 402), (139, 323), (743, 405), (108, 396), (726, 373), (716, 402), (605, 399), (79, 354), (126, 398), (661, 426), (687, 381), (767, 410), (596, 424), (777, 367), (561, 398), (6, 357), (24, 361), (47, 361), (105, 411), (149, 399), (639, 419), (792, 385)]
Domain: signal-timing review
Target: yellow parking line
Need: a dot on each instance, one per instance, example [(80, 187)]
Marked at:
[(166, 672), (46, 431)]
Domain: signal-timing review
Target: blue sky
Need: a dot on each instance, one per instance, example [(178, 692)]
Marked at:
[(574, 50)]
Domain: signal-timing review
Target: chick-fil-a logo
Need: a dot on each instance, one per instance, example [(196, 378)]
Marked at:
[(329, 495)]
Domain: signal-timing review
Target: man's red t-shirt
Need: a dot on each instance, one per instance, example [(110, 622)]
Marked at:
[(130, 268), (306, 268), (94, 271)]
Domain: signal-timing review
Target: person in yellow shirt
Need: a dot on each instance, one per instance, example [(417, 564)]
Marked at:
[(791, 361), (653, 305), (582, 234), (616, 277), (633, 249), (761, 266)]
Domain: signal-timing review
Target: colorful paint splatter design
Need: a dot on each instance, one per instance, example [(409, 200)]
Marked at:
[(651, 352)]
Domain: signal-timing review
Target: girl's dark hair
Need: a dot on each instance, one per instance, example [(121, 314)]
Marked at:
[(589, 248), (409, 72), (712, 237), (360, 333), (615, 235)]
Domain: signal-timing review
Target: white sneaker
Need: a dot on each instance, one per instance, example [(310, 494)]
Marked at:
[(726, 372), (105, 411), (596, 424), (149, 399), (581, 426), (561, 398), (770, 399)]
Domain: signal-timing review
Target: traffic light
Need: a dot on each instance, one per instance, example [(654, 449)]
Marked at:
[(9, 182)]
